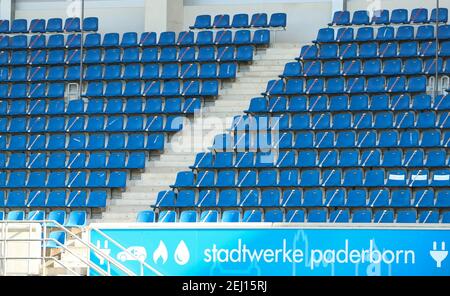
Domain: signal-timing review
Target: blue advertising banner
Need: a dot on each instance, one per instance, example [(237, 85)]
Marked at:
[(274, 251)]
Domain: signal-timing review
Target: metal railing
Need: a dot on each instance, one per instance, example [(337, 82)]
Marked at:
[(123, 249), (44, 240)]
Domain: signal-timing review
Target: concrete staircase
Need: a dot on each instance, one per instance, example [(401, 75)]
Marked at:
[(69, 260), (198, 133)]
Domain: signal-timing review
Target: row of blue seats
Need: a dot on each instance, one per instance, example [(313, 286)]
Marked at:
[(35, 90), (142, 123), (100, 106), (382, 17), (52, 25), (153, 88), (314, 178), (53, 199), (59, 179), (241, 20), (80, 160), (312, 158), (364, 102), (130, 55), (297, 216), (352, 198), (339, 121), (296, 104), (80, 142), (113, 89), (99, 123), (374, 50), (130, 40), (341, 85), (369, 67), (118, 72), (366, 34), (326, 139), (76, 219)]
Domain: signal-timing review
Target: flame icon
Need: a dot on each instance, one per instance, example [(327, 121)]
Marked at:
[(160, 252), (182, 254)]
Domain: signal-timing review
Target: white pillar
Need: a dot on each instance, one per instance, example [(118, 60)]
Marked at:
[(338, 5), (6, 9), (163, 15)]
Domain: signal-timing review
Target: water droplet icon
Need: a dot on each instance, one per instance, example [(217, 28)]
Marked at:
[(182, 254), (160, 252)]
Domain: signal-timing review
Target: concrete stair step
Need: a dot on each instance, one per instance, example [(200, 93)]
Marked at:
[(147, 188), (261, 81), (174, 157), (128, 208), (119, 217), (134, 196), (273, 73), (151, 182), (275, 62), (158, 174), (284, 45), (234, 98), (130, 202), (242, 92), (171, 164)]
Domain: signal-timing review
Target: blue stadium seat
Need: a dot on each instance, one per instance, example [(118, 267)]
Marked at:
[(278, 20), (227, 198), (362, 216), (202, 22), (399, 16), (440, 16), (76, 219), (252, 216), (384, 216), (273, 216), (231, 216), (360, 17), (419, 15), (317, 216), (167, 217), (56, 239), (341, 18), (259, 20), (188, 216), (58, 216), (406, 216), (221, 21), (146, 217), (325, 35), (210, 216), (385, 33), (380, 17), (295, 216)]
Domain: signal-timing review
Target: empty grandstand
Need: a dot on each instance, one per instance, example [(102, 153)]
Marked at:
[(307, 115)]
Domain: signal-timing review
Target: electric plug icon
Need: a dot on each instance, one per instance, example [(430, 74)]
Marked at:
[(438, 255), (105, 250)]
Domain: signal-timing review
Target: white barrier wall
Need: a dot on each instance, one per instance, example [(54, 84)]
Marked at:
[(394, 4), (10, 248), (114, 15)]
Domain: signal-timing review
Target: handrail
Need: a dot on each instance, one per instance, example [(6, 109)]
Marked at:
[(45, 240), (92, 247), (125, 250)]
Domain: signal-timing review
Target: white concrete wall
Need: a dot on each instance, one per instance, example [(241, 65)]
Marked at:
[(114, 15), (163, 15), (6, 9), (353, 5)]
